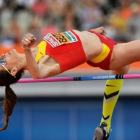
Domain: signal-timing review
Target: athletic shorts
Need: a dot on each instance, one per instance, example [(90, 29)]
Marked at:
[(103, 59)]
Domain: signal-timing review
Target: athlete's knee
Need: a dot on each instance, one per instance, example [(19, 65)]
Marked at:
[(125, 70), (121, 71)]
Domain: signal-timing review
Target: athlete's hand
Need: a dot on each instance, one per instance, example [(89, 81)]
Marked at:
[(100, 30), (28, 41)]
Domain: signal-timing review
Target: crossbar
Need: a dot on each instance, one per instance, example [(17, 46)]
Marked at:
[(80, 78)]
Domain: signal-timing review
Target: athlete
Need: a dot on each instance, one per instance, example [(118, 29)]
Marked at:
[(59, 52)]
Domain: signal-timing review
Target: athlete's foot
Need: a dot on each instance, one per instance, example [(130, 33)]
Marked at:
[(101, 132)]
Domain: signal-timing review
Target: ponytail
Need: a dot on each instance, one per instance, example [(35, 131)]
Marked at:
[(8, 105), (10, 98)]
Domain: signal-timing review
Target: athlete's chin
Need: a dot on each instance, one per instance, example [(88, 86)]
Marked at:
[(13, 51)]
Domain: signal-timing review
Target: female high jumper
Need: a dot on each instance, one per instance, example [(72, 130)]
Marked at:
[(59, 52)]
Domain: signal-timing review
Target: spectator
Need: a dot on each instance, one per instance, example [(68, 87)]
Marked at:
[(56, 12), (12, 35), (35, 26), (1, 3), (40, 7), (128, 8), (133, 22), (69, 16), (91, 15), (49, 28), (110, 29), (119, 23)]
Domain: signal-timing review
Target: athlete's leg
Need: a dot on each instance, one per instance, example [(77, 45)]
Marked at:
[(111, 94), (125, 54)]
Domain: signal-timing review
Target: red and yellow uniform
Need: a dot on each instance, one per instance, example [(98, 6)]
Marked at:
[(66, 48)]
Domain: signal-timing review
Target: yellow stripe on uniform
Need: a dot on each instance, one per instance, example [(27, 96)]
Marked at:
[(102, 55), (41, 50)]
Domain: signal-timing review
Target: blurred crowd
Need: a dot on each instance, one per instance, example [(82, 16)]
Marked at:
[(120, 18)]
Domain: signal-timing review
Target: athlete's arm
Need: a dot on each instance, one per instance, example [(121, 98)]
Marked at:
[(32, 65), (100, 30), (27, 41), (48, 71)]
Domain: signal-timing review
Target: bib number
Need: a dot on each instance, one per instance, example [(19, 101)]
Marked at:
[(58, 39)]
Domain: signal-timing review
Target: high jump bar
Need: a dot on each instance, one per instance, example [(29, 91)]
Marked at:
[(81, 78)]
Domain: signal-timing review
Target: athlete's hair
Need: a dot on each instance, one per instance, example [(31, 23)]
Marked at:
[(10, 97)]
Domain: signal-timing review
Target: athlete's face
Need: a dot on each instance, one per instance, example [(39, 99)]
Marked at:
[(9, 60)]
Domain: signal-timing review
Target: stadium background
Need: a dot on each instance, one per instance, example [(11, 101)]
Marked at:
[(69, 110)]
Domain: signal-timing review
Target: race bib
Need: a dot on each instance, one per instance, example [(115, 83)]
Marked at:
[(58, 39)]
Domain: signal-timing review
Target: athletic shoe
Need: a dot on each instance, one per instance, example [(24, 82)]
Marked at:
[(101, 133)]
